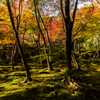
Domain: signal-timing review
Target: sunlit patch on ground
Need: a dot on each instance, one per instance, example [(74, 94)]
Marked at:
[(48, 85)]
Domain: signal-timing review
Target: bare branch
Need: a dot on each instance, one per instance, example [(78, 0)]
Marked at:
[(98, 1), (75, 6), (85, 23), (19, 15), (44, 27), (38, 23), (11, 15), (63, 18)]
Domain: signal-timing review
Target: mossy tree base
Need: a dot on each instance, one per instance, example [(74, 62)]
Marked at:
[(26, 80)]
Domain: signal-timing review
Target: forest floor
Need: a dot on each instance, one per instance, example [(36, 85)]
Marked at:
[(48, 85)]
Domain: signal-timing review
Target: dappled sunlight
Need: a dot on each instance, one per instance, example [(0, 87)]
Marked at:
[(48, 84), (49, 50)]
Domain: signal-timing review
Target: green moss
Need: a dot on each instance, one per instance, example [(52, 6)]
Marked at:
[(46, 84)]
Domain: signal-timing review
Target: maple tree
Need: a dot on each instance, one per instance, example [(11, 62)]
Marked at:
[(91, 40)]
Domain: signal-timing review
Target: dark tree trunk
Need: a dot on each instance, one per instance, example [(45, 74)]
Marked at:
[(45, 50), (50, 46), (68, 50), (96, 55), (13, 55), (2, 53), (78, 48), (68, 25), (41, 63), (74, 46), (23, 40), (28, 77), (68, 55), (73, 55), (74, 61)]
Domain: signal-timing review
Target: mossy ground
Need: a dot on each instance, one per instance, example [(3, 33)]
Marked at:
[(48, 85)]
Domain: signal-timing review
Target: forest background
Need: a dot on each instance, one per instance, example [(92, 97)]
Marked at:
[(57, 42)]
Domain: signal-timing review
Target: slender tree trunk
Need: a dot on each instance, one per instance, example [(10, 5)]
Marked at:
[(50, 46), (28, 77), (41, 63), (75, 45), (78, 48), (97, 55), (2, 53), (23, 36), (94, 56), (45, 50), (74, 61), (13, 55), (73, 56), (23, 41)]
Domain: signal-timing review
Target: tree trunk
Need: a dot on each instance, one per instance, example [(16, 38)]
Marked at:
[(50, 46), (68, 50), (78, 48), (74, 60), (73, 56), (2, 53), (74, 46), (50, 51), (68, 21), (41, 63), (50, 60), (13, 55), (23, 40), (28, 77), (45, 50), (24, 37), (96, 55)]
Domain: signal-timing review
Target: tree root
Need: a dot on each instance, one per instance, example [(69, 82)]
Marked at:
[(26, 80)]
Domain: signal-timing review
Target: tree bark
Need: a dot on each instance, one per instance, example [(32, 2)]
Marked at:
[(2, 53), (50, 46), (68, 22), (74, 61), (41, 63), (28, 77), (78, 48), (74, 45), (13, 55), (45, 50)]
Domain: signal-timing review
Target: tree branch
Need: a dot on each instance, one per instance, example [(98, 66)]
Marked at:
[(85, 23), (98, 1), (19, 15), (74, 12), (67, 9), (38, 23), (11, 14), (44, 27), (63, 18)]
